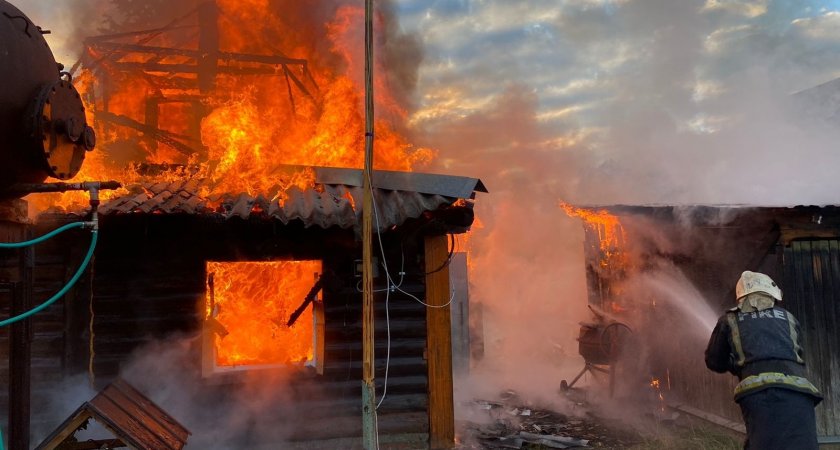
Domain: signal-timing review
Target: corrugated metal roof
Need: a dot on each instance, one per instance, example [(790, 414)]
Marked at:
[(130, 416), (335, 200)]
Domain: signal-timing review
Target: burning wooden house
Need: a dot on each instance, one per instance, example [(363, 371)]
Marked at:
[(233, 271), (671, 271)]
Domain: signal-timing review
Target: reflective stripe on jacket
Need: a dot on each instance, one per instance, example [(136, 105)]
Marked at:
[(755, 383)]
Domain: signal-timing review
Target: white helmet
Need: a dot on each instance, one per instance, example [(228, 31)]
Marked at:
[(756, 282)]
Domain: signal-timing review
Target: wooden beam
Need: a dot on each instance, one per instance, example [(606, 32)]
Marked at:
[(20, 354), (208, 46), (192, 68), (65, 430), (439, 345)]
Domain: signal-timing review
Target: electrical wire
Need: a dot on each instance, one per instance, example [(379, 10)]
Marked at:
[(43, 238), (451, 297), (60, 293), (448, 258), (387, 299), (397, 286)]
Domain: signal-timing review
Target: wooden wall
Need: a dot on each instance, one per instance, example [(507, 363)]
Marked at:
[(812, 294), (148, 284)]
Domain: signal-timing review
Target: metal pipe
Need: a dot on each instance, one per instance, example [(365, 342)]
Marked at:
[(33, 188)]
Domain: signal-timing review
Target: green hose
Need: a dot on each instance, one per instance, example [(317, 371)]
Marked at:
[(59, 294), (42, 238)]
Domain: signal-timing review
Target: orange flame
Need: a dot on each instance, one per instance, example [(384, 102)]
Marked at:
[(610, 232), (238, 136), (248, 306), (655, 384), (611, 236)]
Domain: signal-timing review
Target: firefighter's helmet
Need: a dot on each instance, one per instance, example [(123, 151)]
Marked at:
[(756, 282)]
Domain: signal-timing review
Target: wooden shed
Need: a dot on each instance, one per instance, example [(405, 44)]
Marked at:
[(154, 276), (705, 249)]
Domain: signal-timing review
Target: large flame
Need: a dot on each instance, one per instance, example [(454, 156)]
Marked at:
[(610, 232), (251, 125), (613, 258), (248, 305)]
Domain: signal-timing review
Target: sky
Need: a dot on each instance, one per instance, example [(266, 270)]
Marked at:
[(681, 96)]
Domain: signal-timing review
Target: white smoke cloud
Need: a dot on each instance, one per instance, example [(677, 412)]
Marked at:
[(677, 99), (68, 21), (612, 102)]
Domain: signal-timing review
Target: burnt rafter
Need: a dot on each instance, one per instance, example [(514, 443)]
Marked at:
[(187, 66), (163, 136)]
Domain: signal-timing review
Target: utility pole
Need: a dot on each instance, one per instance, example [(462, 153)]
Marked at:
[(369, 432)]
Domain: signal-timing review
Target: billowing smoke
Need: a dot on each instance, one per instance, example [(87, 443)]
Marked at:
[(614, 102), (527, 272), (68, 24)]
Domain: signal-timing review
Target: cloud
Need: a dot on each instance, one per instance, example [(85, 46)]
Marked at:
[(750, 9), (825, 27), (668, 98)]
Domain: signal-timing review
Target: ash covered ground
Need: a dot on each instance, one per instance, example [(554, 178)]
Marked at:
[(511, 422)]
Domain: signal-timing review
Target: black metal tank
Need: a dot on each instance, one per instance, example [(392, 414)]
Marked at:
[(43, 129)]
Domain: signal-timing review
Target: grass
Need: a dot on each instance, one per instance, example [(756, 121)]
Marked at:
[(690, 438), (682, 438)]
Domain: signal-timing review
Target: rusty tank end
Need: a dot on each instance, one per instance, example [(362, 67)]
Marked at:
[(43, 129)]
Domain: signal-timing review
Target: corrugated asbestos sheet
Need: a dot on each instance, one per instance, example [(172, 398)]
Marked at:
[(335, 201)]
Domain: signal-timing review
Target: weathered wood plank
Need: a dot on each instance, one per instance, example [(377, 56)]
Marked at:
[(825, 297), (439, 345)]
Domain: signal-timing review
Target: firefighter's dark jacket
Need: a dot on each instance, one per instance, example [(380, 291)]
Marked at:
[(762, 348)]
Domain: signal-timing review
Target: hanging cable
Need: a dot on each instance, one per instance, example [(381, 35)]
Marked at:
[(43, 238), (448, 260)]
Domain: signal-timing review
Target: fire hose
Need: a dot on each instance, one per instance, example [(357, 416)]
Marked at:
[(93, 189), (70, 283)]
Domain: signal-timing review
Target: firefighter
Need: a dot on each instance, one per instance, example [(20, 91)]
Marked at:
[(759, 342)]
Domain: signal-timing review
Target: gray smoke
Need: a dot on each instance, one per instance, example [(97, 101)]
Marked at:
[(614, 102)]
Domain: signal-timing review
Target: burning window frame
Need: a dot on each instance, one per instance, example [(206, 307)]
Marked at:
[(213, 329)]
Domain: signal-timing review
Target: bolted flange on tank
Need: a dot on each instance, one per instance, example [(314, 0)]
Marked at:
[(43, 128)]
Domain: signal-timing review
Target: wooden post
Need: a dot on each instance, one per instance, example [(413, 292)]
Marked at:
[(207, 65), (208, 46), (369, 438), (439, 346), (20, 355)]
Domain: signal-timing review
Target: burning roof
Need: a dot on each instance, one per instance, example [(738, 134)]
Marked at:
[(334, 200)]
